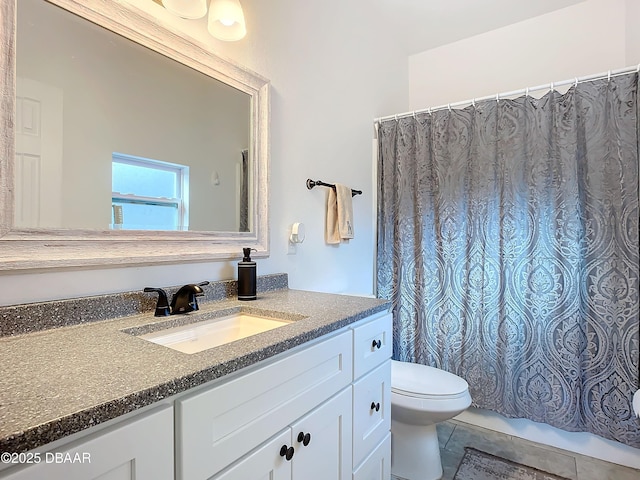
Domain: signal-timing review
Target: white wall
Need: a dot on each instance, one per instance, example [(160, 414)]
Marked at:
[(633, 32), (327, 86), (588, 38)]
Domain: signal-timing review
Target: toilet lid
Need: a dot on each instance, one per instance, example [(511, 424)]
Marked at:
[(414, 379)]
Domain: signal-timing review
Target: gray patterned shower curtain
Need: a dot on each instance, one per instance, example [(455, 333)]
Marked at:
[(508, 244)]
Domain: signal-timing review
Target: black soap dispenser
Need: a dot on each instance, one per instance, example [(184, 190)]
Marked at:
[(247, 277)]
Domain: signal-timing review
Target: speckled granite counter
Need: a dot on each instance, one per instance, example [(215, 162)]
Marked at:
[(60, 381)]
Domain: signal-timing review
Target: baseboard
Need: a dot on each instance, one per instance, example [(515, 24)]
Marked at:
[(577, 442)]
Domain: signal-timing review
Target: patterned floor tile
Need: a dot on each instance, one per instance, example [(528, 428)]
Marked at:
[(594, 469), (455, 435)]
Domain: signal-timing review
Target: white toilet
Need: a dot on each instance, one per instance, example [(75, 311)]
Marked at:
[(421, 396)]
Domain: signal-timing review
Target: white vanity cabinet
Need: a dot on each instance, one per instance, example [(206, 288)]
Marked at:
[(218, 426), (135, 449), (318, 412), (336, 393)]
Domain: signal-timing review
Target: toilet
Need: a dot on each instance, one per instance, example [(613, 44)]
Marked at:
[(421, 396)]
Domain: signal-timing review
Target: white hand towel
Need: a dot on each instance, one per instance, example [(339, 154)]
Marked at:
[(345, 211), (636, 403), (339, 215), (332, 234)]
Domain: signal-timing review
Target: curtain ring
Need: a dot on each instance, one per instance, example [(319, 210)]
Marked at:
[(551, 87), (449, 106), (609, 76), (497, 98), (526, 92)]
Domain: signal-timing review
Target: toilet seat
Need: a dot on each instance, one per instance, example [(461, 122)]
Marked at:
[(429, 383)]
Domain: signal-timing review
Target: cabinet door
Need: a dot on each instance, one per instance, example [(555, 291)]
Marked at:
[(377, 466), (141, 448), (327, 453), (371, 410), (264, 463)]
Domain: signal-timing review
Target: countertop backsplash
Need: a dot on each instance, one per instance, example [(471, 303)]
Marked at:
[(34, 317)]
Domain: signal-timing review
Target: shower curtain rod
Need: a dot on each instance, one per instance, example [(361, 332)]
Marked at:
[(526, 91)]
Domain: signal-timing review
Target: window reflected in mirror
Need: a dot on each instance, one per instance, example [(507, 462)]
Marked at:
[(149, 194)]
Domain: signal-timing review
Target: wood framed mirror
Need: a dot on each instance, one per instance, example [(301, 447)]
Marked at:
[(93, 237)]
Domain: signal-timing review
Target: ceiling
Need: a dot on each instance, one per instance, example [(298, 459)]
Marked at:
[(418, 25)]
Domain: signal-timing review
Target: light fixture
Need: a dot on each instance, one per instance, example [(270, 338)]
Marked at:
[(190, 9), (226, 19)]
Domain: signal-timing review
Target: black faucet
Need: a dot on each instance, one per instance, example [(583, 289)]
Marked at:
[(183, 301)]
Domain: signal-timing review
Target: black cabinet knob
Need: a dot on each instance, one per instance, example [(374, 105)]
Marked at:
[(304, 438), (375, 406), (376, 344), (286, 452)]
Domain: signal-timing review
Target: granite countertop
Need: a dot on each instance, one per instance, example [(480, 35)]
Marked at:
[(60, 381)]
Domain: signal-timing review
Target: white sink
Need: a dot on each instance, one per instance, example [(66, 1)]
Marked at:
[(200, 336)]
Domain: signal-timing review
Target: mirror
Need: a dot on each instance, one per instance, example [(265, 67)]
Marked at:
[(138, 119), (174, 136)]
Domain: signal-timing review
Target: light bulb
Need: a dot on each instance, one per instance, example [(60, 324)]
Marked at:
[(226, 20)]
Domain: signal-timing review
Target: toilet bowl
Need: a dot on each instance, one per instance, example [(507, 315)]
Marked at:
[(421, 397)]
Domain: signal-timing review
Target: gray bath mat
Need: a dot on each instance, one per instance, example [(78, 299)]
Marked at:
[(478, 465)]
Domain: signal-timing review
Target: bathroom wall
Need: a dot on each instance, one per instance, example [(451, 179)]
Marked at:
[(326, 90), (588, 38), (632, 31), (591, 37)]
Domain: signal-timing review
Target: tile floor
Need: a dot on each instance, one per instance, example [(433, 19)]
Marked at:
[(454, 436)]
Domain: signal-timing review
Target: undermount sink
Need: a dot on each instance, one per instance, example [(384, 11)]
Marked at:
[(203, 335)]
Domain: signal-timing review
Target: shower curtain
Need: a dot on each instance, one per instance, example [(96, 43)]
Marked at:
[(244, 192), (508, 244)]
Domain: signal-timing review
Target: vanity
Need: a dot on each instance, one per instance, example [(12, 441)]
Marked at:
[(82, 394), (307, 400)]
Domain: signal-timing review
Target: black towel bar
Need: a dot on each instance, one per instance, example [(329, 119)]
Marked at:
[(313, 183)]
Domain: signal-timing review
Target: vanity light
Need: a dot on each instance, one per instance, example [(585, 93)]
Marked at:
[(226, 20), (190, 9)]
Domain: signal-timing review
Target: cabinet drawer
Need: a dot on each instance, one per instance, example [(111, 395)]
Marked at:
[(377, 466), (216, 426), (371, 410), (372, 344)]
